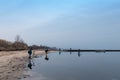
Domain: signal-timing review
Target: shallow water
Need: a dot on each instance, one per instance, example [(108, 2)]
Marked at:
[(74, 66)]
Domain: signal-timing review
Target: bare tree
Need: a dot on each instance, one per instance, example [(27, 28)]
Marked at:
[(17, 38), (19, 43)]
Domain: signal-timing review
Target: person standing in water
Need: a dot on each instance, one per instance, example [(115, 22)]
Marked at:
[(46, 51), (30, 53)]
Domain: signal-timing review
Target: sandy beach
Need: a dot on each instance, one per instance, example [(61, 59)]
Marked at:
[(12, 64)]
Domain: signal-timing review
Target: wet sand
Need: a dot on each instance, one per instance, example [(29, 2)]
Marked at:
[(12, 64)]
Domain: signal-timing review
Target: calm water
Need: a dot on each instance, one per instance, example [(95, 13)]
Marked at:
[(83, 66)]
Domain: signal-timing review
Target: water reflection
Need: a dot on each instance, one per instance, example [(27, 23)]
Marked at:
[(90, 66), (78, 54), (59, 52), (70, 53), (46, 57), (31, 63)]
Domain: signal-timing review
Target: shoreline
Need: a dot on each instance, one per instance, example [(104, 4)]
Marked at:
[(12, 64)]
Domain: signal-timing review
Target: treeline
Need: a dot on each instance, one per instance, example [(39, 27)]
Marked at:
[(19, 44), (42, 47)]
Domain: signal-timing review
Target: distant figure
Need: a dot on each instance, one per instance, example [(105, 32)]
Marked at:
[(30, 64), (59, 49), (46, 50), (30, 53)]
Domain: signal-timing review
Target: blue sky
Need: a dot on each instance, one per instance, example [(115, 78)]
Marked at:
[(62, 23)]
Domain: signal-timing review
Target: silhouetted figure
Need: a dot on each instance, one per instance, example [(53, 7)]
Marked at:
[(46, 51), (79, 50), (30, 53), (59, 49), (30, 64)]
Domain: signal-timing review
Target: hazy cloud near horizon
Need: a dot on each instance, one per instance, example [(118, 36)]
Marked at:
[(66, 23)]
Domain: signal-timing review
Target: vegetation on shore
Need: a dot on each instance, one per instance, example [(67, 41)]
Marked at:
[(19, 44)]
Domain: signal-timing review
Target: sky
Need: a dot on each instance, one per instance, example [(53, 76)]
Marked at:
[(85, 24)]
